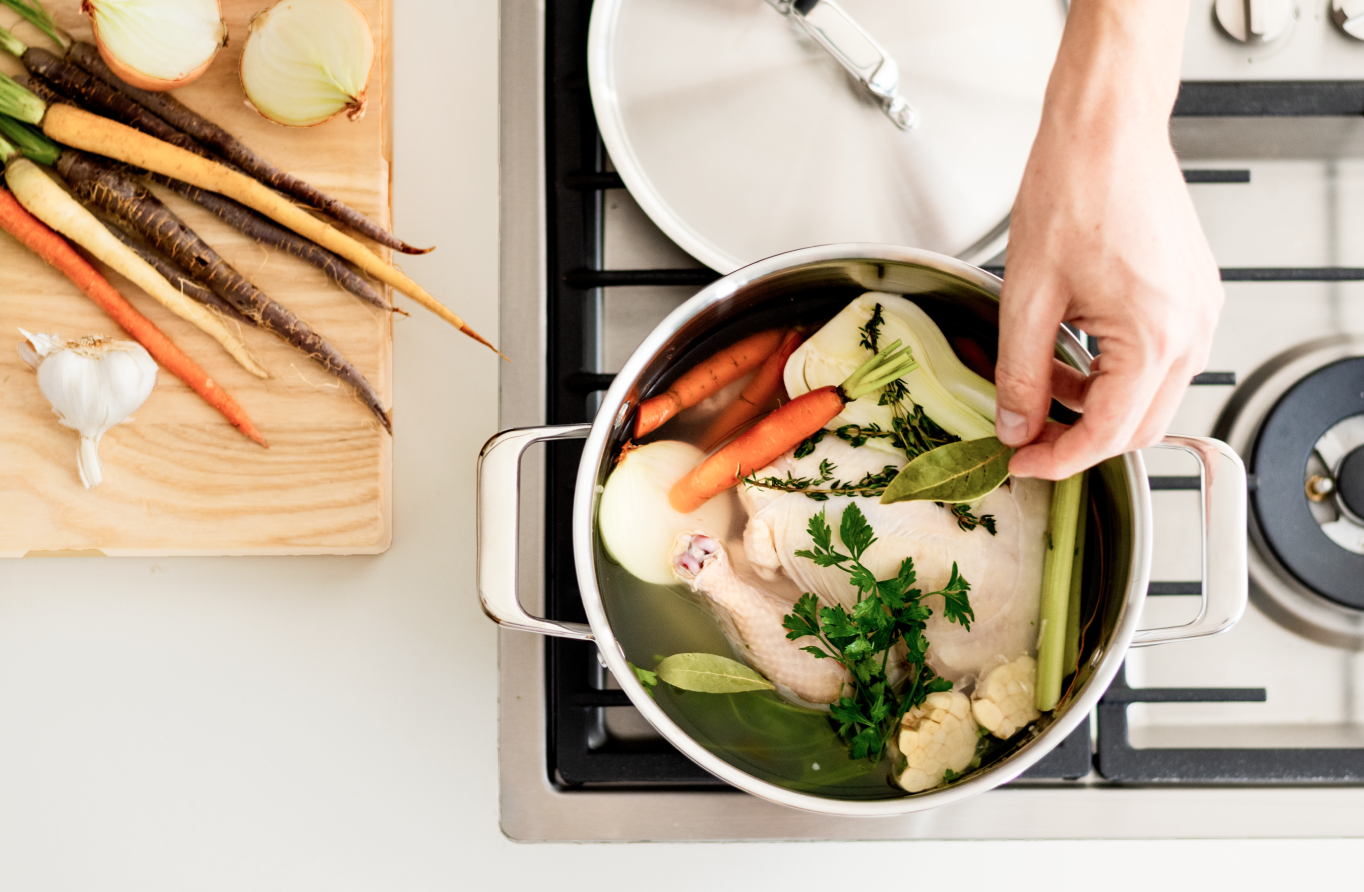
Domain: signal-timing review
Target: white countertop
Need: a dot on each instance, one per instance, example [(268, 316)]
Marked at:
[(329, 723)]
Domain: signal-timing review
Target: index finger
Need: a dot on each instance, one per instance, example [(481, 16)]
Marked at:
[(1115, 405)]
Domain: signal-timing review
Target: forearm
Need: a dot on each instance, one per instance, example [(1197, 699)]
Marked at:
[(1118, 65)]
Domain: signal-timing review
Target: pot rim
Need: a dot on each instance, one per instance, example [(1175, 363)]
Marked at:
[(615, 407)]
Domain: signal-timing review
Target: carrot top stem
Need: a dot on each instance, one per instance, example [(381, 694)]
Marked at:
[(878, 371), (34, 13), (33, 144), (19, 103), (11, 44)]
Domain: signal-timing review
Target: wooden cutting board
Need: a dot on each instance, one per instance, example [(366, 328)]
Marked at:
[(178, 479)]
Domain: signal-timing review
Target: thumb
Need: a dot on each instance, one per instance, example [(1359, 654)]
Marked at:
[(1028, 322)]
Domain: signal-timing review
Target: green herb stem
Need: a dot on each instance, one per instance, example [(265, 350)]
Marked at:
[(11, 44), (7, 151), (32, 143), (33, 12), (1056, 581), (19, 103)]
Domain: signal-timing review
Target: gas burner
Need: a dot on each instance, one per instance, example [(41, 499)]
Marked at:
[(1299, 422), (1335, 482)]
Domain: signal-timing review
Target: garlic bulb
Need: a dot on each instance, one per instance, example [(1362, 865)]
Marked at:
[(638, 526), (157, 44), (92, 384), (306, 61)]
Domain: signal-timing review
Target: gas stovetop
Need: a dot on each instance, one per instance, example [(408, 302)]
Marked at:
[(1212, 738)]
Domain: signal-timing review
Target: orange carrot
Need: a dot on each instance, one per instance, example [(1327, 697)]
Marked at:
[(755, 397), (707, 377), (757, 448), (54, 249), (784, 429)]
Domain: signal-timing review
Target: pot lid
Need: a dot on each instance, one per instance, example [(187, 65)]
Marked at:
[(742, 136)]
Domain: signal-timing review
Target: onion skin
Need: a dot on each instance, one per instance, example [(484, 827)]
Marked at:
[(358, 102), (143, 82), (137, 78)]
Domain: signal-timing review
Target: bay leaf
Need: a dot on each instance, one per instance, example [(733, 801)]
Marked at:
[(710, 674), (963, 471)]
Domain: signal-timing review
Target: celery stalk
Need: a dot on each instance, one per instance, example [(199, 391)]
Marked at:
[(1056, 573), (1072, 655)]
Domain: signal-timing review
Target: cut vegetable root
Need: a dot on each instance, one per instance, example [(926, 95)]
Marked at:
[(82, 130), (55, 80), (53, 249), (104, 185), (236, 152), (47, 201)]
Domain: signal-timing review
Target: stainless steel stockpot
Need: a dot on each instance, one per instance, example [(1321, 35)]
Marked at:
[(958, 296)]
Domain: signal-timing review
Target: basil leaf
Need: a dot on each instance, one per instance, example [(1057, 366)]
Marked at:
[(710, 674), (956, 472)]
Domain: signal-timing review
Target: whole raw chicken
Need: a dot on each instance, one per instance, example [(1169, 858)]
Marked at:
[(1004, 570)]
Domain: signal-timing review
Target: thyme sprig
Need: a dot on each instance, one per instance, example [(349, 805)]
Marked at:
[(887, 611), (969, 521), (916, 433), (871, 331), (871, 484), (894, 391)]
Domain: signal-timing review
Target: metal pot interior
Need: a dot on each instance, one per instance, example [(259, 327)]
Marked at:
[(758, 733)]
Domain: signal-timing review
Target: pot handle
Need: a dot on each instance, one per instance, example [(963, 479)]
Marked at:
[(1223, 509), (499, 526)]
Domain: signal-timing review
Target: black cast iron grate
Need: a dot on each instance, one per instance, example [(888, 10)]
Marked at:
[(580, 752)]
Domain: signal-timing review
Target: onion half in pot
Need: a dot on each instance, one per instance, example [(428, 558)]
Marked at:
[(157, 45), (307, 61), (638, 525)]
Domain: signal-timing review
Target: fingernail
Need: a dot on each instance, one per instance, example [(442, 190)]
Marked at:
[(1010, 427)]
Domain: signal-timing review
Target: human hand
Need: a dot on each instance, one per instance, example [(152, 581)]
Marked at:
[(1104, 236)]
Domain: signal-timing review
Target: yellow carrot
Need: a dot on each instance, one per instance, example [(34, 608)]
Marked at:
[(47, 201), (82, 130)]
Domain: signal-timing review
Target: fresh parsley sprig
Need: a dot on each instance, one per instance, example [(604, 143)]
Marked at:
[(887, 611)]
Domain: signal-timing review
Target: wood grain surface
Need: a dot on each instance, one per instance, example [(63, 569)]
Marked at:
[(178, 480)]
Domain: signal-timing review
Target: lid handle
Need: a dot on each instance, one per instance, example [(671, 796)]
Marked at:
[(856, 51)]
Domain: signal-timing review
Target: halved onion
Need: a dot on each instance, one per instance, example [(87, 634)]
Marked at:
[(157, 44), (306, 61), (638, 525)]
